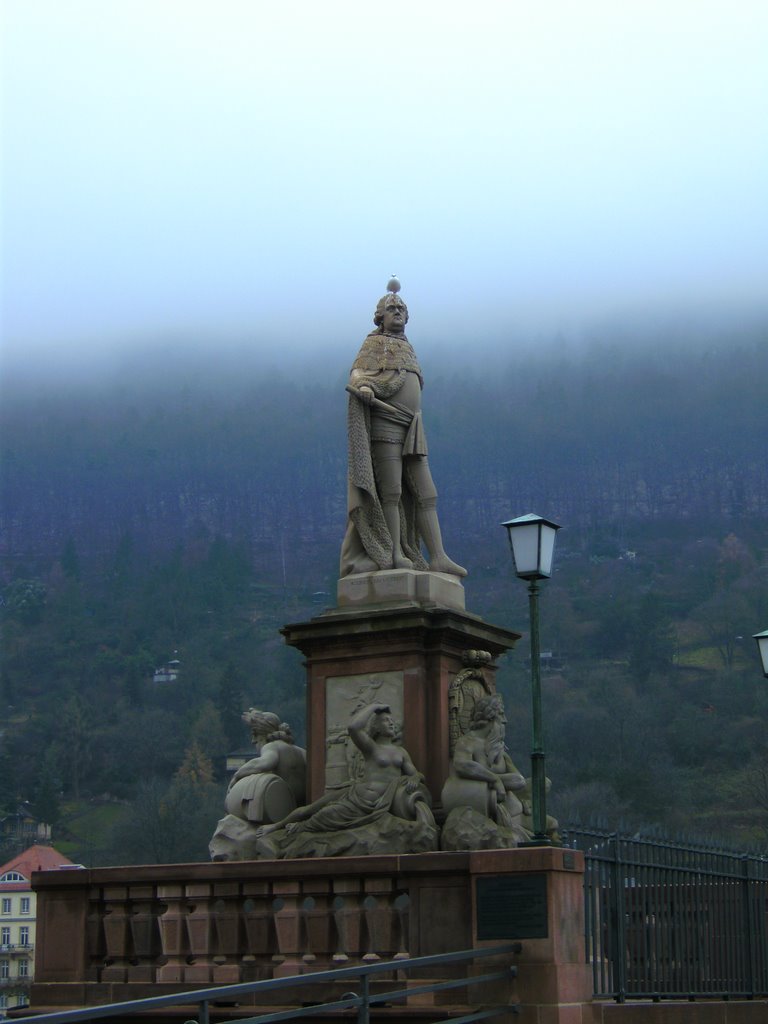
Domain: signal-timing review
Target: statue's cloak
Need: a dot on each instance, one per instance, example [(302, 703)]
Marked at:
[(367, 544)]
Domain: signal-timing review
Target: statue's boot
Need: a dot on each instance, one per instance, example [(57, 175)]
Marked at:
[(392, 515), (429, 528)]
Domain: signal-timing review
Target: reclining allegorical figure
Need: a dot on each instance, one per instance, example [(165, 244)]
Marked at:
[(386, 810)]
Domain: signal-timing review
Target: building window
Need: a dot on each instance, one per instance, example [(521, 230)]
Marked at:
[(25, 904), (3, 1002), (5, 936), (22, 1001), (12, 876), (6, 909), (24, 935), (5, 968), (23, 968)]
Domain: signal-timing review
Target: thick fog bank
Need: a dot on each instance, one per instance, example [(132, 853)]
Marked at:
[(177, 360)]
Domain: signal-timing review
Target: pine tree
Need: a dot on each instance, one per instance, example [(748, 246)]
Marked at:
[(230, 705), (47, 798)]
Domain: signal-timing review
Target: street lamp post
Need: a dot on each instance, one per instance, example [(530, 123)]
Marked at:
[(532, 542), (762, 646)]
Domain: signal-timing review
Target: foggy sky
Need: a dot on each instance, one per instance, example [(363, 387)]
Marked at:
[(249, 169)]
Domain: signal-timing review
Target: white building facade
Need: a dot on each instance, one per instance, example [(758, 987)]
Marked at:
[(18, 922)]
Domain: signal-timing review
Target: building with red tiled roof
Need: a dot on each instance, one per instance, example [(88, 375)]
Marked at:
[(18, 921)]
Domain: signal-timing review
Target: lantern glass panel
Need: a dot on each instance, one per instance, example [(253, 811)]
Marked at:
[(762, 646), (525, 548), (547, 543)]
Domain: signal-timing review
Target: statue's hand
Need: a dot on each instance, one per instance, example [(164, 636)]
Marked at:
[(366, 395), (515, 781), (412, 785), (239, 774)]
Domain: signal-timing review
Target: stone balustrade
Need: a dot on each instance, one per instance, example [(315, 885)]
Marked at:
[(114, 934), (222, 932), (117, 930)]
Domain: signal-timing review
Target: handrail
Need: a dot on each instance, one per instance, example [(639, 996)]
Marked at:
[(220, 993)]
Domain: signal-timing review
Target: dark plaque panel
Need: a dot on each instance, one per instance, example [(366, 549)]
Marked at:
[(511, 907)]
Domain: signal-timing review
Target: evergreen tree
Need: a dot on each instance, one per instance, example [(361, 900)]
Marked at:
[(47, 797), (208, 733), (230, 702), (9, 792), (70, 561)]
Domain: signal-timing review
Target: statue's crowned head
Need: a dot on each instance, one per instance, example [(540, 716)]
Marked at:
[(391, 314)]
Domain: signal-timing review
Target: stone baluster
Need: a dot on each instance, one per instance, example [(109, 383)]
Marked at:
[(144, 932), (402, 905), (288, 928), (117, 936), (173, 933), (380, 918), (260, 940), (96, 949), (348, 917), (226, 917), (201, 934), (318, 923)]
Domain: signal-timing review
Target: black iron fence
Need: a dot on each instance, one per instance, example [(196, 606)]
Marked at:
[(665, 920)]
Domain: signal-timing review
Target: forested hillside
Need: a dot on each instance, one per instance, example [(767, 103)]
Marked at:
[(164, 513)]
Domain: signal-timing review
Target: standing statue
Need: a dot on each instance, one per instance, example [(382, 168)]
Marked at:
[(385, 810), (391, 499), (264, 789)]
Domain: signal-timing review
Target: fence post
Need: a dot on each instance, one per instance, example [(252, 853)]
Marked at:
[(750, 930), (619, 943), (364, 1012)]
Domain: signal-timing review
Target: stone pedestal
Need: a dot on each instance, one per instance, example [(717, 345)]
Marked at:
[(536, 895), (396, 636)]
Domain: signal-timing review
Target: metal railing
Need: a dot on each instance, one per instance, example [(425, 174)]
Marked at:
[(664, 920), (207, 999)]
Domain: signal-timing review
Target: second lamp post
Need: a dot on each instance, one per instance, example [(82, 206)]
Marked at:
[(532, 540)]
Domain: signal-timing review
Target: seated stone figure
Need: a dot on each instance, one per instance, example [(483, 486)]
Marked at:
[(264, 789), (386, 810), (485, 795)]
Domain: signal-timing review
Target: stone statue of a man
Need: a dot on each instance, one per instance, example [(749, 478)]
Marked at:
[(391, 500)]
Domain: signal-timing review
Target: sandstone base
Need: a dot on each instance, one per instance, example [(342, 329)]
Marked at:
[(398, 586)]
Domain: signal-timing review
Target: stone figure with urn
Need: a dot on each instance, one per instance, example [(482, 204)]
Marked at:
[(265, 789)]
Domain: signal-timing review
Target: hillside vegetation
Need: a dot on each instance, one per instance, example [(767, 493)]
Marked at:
[(164, 514)]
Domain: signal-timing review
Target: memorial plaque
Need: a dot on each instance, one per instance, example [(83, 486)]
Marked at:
[(511, 907)]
